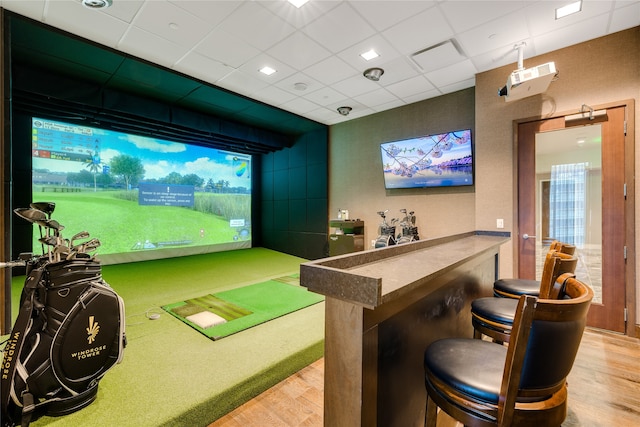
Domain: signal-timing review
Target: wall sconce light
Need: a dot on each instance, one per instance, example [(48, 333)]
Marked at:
[(373, 73), (344, 110)]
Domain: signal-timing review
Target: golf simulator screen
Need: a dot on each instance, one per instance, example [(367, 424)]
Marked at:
[(143, 198)]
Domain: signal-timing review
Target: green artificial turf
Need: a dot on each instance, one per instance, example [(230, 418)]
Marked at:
[(133, 223), (244, 307), (171, 376)]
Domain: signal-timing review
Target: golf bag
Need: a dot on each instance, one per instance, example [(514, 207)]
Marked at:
[(387, 236), (409, 230), (68, 333)]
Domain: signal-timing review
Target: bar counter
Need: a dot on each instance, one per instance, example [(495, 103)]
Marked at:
[(383, 307)]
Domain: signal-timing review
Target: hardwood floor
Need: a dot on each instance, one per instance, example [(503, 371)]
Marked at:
[(604, 390)]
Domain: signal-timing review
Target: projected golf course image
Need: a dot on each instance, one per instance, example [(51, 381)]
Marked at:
[(143, 198)]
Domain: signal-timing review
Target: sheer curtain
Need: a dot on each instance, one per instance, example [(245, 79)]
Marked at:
[(567, 208)]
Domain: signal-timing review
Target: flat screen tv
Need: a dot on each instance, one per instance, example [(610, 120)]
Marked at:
[(143, 198), (439, 160)]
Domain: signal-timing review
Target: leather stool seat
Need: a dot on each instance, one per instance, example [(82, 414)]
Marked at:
[(516, 287), (461, 372), (500, 310), (494, 317)]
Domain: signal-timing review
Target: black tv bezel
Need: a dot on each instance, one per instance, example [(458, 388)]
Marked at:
[(473, 160)]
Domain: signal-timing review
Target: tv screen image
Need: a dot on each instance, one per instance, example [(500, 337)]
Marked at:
[(143, 198), (440, 160)]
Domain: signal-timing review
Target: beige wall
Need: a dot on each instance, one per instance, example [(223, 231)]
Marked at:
[(355, 168), (597, 72)]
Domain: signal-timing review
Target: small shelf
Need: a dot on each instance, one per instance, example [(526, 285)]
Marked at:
[(347, 236)]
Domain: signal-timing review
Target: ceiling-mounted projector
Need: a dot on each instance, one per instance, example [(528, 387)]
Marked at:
[(527, 82), (532, 81)]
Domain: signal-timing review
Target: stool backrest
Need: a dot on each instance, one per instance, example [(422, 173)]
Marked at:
[(556, 264), (565, 248), (544, 342)]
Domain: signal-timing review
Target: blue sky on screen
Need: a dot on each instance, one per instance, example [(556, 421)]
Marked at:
[(159, 157), (426, 143)]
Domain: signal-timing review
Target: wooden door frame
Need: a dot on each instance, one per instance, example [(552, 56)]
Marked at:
[(550, 122)]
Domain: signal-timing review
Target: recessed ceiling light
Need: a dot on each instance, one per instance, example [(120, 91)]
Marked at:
[(173, 26), (267, 70), (569, 9), (97, 4), (298, 3), (373, 74), (369, 55)]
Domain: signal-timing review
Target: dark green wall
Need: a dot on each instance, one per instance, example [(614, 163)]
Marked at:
[(294, 197)]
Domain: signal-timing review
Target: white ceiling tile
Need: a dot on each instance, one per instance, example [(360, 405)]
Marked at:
[(464, 84), (541, 17), (202, 67), (99, 27), (299, 105), (465, 15), (213, 12), (151, 47), (325, 96), (503, 56), (256, 25), (352, 56), (171, 23), (330, 70), (242, 83), (410, 86), (421, 31), (289, 84), (30, 9), (452, 74), (377, 97), (224, 42), (339, 28), (299, 17), (625, 17), (441, 55), (226, 48), (299, 51), (570, 35), (124, 10), (355, 85), (252, 67), (323, 115), (422, 96), (389, 105), (384, 14), (398, 70), (495, 34), (273, 95)]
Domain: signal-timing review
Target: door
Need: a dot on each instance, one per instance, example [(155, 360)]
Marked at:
[(571, 187)]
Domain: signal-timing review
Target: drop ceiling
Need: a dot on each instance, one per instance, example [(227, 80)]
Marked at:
[(426, 48)]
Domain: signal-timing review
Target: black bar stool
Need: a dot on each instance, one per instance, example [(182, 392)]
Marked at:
[(480, 383), (493, 316), (513, 288)]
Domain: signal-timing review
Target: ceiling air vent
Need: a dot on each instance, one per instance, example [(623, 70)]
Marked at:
[(438, 56)]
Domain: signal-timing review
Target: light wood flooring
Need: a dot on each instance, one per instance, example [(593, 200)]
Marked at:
[(604, 390)]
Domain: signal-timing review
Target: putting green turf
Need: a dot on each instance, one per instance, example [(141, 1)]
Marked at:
[(244, 307), (172, 376)]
